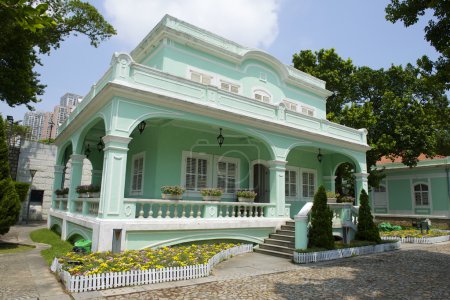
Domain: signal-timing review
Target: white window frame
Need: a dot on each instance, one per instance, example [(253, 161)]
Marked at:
[(202, 77), (133, 158), (189, 154), (233, 160), (428, 194), (289, 104), (297, 181), (308, 109), (230, 85), (262, 91), (313, 171)]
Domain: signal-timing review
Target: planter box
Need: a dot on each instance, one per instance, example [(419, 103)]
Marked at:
[(171, 197), (331, 200), (212, 198), (243, 199), (94, 195), (83, 195)]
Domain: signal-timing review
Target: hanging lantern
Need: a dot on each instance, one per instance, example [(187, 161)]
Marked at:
[(141, 127), (220, 138)]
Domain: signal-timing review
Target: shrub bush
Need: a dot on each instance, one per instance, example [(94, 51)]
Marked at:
[(367, 230), (320, 233), (22, 190)]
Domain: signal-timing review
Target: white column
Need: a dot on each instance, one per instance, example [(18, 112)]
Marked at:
[(113, 179), (76, 173), (360, 184), (277, 170)]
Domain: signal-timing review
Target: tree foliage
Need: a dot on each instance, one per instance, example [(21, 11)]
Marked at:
[(30, 28), (367, 230), (437, 31), (320, 233), (404, 109), (9, 200)]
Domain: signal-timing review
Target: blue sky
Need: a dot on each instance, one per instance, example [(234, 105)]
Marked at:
[(355, 28)]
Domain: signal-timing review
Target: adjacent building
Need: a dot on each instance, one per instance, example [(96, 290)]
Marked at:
[(408, 194), (44, 125)]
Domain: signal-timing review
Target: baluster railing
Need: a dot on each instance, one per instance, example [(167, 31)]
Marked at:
[(176, 209)]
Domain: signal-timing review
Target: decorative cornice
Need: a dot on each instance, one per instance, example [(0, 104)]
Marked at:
[(77, 157), (116, 139)]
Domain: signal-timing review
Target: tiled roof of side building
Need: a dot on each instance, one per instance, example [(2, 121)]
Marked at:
[(422, 157)]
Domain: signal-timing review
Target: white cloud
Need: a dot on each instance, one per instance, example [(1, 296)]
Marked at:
[(252, 23)]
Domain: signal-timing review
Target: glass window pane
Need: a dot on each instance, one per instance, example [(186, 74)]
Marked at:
[(190, 181), (202, 166), (221, 182), (231, 169), (201, 183)]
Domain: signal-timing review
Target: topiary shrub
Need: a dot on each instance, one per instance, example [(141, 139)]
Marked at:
[(9, 205), (320, 233), (22, 190), (367, 230), (9, 200)]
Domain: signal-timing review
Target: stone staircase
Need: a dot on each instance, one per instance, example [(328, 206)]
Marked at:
[(281, 243)]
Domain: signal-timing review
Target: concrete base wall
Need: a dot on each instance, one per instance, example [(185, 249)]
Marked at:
[(42, 157)]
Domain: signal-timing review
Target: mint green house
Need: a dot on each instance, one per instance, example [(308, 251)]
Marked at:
[(154, 119), (414, 193)]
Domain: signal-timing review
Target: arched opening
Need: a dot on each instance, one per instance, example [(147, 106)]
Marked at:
[(345, 182), (56, 229), (74, 238)]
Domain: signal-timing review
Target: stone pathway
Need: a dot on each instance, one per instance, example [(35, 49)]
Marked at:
[(416, 272), (25, 275)]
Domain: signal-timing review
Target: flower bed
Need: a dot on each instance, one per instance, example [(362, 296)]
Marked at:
[(303, 258), (414, 236), (142, 266)]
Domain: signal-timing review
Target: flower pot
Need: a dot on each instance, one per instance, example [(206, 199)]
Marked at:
[(243, 199), (212, 198), (172, 196), (94, 195), (331, 200)]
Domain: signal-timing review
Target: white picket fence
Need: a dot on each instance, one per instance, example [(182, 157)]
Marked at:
[(138, 277), (414, 240), (304, 258)]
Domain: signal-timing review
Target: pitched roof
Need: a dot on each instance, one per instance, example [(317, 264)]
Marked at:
[(422, 157)]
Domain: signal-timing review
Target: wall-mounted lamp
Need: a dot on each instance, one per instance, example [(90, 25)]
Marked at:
[(87, 151), (220, 138), (141, 127), (100, 145), (319, 156)]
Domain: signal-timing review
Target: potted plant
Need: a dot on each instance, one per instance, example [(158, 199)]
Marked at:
[(94, 191), (65, 192), (332, 197), (59, 193), (347, 199), (212, 194), (246, 196), (83, 191), (172, 192)]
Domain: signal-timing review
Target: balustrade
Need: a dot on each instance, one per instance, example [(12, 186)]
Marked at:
[(172, 209)]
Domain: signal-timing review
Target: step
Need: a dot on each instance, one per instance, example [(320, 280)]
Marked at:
[(286, 232), (274, 253), (277, 236), (288, 227), (290, 223), (276, 248), (270, 241)]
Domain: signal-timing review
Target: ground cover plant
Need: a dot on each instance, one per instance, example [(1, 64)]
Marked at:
[(176, 256), (58, 247), (403, 233)]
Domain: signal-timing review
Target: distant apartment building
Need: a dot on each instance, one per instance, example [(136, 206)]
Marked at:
[(44, 125)]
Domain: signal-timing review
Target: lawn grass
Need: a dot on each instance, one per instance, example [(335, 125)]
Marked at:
[(13, 248), (58, 247)]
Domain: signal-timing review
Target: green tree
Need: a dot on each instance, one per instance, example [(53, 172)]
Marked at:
[(437, 31), (320, 233), (367, 230), (404, 109), (9, 200), (30, 28)]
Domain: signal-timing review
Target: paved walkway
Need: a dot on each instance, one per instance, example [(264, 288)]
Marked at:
[(25, 275), (415, 272)]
